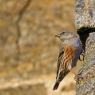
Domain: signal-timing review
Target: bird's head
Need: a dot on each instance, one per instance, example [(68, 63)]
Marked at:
[(66, 35)]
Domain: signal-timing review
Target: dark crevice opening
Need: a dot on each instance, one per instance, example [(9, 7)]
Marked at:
[(83, 33)]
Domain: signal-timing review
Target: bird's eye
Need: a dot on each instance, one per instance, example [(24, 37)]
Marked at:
[(62, 33)]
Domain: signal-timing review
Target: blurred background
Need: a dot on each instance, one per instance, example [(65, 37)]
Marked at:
[(28, 47)]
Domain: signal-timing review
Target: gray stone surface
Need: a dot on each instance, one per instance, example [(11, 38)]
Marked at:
[(86, 80), (85, 13)]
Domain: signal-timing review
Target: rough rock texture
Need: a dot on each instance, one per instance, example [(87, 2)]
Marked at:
[(85, 13), (85, 17), (86, 80), (28, 47)]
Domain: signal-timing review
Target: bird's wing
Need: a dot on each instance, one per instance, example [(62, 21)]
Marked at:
[(66, 55), (60, 57)]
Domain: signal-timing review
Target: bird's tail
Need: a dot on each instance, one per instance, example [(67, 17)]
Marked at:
[(56, 85)]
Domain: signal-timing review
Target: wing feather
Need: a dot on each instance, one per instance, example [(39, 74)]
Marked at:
[(61, 54), (68, 56), (65, 59)]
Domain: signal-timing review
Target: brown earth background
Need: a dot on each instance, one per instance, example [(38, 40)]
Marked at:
[(28, 48)]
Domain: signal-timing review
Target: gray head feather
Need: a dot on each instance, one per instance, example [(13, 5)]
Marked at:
[(69, 38)]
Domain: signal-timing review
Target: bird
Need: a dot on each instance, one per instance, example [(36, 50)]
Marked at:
[(69, 53)]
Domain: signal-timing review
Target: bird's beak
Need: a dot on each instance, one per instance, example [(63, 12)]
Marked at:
[(57, 35)]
